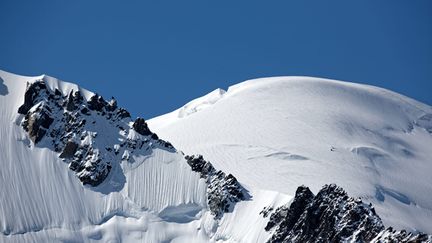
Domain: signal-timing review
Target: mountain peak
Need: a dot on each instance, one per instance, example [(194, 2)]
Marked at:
[(78, 167)]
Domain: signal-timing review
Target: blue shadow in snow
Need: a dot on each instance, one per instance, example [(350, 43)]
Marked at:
[(3, 88)]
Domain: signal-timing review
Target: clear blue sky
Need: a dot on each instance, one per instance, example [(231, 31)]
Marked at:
[(154, 56)]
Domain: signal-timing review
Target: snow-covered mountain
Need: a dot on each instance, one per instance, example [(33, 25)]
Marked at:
[(279, 133), (77, 168)]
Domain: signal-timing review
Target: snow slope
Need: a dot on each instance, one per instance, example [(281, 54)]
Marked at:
[(272, 134), (279, 133), (160, 198)]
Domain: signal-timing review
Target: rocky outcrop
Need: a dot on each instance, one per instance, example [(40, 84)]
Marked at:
[(140, 126), (74, 100), (331, 216), (69, 124), (97, 103), (69, 150), (390, 236), (223, 191), (122, 113), (89, 166), (37, 122), (286, 216), (31, 95)]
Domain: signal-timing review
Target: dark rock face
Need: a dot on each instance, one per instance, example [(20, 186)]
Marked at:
[(69, 150), (140, 126), (198, 164), (122, 113), (330, 216), (49, 114), (223, 191), (70, 124), (96, 103), (36, 123), (85, 111), (286, 216), (73, 100), (31, 95)]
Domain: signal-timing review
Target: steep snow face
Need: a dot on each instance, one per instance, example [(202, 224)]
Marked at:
[(149, 192), (279, 133), (40, 192), (77, 168)]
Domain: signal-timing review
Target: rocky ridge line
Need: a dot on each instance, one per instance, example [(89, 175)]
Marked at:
[(331, 216), (223, 191), (69, 125)]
